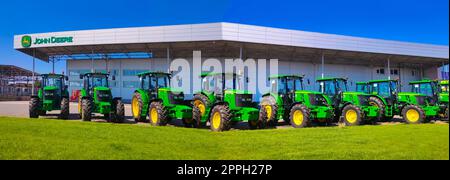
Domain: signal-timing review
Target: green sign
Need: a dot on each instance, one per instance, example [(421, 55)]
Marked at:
[(27, 40)]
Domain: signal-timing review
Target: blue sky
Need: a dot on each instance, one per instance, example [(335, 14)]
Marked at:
[(421, 21)]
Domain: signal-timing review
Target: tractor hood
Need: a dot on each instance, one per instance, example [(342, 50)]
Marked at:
[(237, 92), (173, 90), (354, 93), (99, 88), (410, 94), (50, 88), (307, 92)]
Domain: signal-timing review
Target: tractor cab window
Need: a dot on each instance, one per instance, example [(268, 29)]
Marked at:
[(52, 81), (424, 88), (98, 81), (384, 89), (328, 88), (294, 84), (341, 85), (361, 88)]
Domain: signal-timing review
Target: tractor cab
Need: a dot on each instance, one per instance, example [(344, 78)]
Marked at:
[(437, 92), (220, 84), (96, 82), (52, 88), (387, 89), (362, 87), (333, 88), (154, 83), (286, 86)]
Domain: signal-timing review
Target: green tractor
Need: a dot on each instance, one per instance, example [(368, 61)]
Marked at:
[(222, 103), (437, 92), (289, 101), (96, 97), (355, 108), (362, 87), (413, 107), (157, 100), (52, 95)]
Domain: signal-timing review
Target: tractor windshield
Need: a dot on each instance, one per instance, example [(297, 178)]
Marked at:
[(384, 89), (341, 85), (98, 81), (333, 87), (423, 88), (52, 81), (362, 88), (285, 85), (220, 82)]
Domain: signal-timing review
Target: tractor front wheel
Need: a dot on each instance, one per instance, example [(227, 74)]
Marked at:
[(269, 104), (299, 116), (220, 118), (197, 118), (34, 107), (352, 115), (413, 114), (86, 109), (119, 111), (137, 106), (64, 109), (158, 114), (263, 120)]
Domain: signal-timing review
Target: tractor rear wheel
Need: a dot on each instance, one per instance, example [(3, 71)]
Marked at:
[(374, 101), (263, 119), (202, 103), (119, 111), (86, 109), (220, 118), (413, 114), (352, 115), (158, 114), (446, 114), (299, 116), (197, 118), (34, 107), (64, 108), (270, 105), (137, 106)]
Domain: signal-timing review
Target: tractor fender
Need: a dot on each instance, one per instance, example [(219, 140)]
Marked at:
[(344, 105), (380, 98)]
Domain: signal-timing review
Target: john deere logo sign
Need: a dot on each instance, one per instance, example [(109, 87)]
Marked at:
[(27, 40)]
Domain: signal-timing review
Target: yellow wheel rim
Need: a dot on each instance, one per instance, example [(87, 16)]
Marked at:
[(201, 107), (412, 115), (268, 111), (79, 105), (298, 117), (154, 115), (135, 107), (216, 120), (351, 116)]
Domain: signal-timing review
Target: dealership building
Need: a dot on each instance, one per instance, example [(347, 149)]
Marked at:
[(124, 52)]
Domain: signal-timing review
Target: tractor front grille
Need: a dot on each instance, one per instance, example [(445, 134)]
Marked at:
[(421, 100), (244, 100), (317, 100), (50, 95), (103, 96), (363, 100), (176, 98)]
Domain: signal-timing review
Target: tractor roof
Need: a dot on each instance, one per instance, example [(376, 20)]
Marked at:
[(216, 74), (362, 83), (422, 81), (278, 76), (96, 73), (154, 73), (443, 82), (331, 78), (52, 75), (383, 80)]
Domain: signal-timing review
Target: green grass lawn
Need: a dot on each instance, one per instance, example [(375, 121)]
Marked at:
[(58, 139)]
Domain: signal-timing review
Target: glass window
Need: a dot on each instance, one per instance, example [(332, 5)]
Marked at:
[(424, 88), (98, 81), (49, 81), (382, 89), (130, 84), (328, 88), (77, 72), (342, 85), (133, 72), (75, 83)]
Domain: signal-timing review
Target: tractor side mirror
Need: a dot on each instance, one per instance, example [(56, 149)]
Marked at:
[(113, 78), (81, 76)]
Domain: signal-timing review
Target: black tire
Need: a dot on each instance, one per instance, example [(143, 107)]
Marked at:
[(64, 108), (359, 115), (225, 118), (273, 119), (446, 114), (305, 112), (263, 119), (197, 118), (86, 112), (119, 111), (204, 100), (137, 96), (381, 106), (162, 117), (34, 107), (421, 114)]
